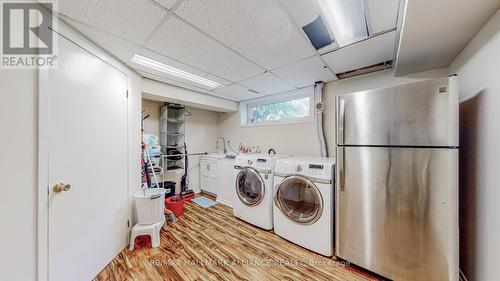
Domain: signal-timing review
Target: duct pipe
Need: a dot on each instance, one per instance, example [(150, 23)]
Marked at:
[(319, 107)]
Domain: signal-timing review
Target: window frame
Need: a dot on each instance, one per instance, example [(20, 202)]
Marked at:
[(245, 107)]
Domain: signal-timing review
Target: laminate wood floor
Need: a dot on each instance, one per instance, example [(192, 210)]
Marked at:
[(211, 244)]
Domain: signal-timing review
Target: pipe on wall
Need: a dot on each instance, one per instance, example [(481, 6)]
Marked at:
[(319, 107)]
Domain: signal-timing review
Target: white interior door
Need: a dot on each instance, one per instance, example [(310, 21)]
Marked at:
[(87, 120)]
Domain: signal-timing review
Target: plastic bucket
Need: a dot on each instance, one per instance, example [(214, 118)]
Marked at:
[(149, 205), (175, 204)]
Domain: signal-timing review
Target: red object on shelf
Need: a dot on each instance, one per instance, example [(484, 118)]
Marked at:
[(175, 204)]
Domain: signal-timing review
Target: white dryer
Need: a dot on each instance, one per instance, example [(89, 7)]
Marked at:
[(303, 202), (253, 188)]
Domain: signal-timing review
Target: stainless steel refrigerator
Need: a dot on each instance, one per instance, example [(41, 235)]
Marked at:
[(397, 180)]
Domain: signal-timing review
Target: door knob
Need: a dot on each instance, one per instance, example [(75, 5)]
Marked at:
[(61, 187)]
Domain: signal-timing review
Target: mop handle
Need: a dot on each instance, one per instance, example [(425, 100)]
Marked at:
[(189, 154)]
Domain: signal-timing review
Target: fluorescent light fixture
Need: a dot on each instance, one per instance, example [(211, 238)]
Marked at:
[(346, 19), (151, 63)]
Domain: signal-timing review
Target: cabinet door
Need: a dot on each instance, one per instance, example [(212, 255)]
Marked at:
[(204, 167), (212, 182), (204, 172), (213, 169)]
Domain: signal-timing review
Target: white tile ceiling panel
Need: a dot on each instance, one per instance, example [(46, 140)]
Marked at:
[(382, 15), (365, 53), (259, 29), (266, 84), (238, 92), (117, 46), (131, 20), (303, 11), (168, 4), (181, 41), (305, 72)]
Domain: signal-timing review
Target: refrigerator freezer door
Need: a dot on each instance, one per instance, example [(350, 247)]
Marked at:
[(397, 212), (418, 114)]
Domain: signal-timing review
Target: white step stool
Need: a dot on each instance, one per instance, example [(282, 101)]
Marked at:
[(153, 230)]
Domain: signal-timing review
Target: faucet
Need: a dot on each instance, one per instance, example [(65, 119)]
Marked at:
[(224, 150)]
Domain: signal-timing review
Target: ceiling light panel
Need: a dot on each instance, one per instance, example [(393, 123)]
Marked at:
[(131, 20), (170, 81), (172, 62), (305, 72), (170, 70), (259, 29), (368, 52), (183, 42), (237, 91), (267, 84), (346, 20), (381, 15)]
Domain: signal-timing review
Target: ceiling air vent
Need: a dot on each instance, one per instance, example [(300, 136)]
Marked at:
[(317, 33), (365, 70)]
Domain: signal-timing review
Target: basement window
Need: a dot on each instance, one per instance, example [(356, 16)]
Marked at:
[(285, 108)]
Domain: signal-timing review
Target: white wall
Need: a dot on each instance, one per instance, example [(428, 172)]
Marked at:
[(478, 68), (152, 124), (302, 139), (18, 173), (201, 134)]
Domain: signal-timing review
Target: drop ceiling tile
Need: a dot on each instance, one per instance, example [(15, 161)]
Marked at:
[(120, 48), (238, 92), (305, 72), (131, 20), (168, 4), (381, 15), (303, 12), (267, 84), (259, 29), (184, 43), (365, 53)]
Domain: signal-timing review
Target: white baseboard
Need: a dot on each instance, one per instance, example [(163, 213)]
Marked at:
[(224, 202)]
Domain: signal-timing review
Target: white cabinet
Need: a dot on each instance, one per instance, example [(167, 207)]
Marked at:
[(208, 175), (216, 177)]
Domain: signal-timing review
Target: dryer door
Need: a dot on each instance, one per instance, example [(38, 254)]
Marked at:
[(250, 187), (299, 199)]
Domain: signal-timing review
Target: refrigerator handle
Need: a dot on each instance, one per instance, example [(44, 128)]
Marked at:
[(340, 167), (341, 122)]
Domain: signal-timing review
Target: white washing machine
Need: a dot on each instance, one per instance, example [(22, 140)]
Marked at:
[(253, 188), (303, 202)]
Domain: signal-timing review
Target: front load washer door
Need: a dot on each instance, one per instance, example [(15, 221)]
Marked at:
[(250, 186), (299, 199)]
